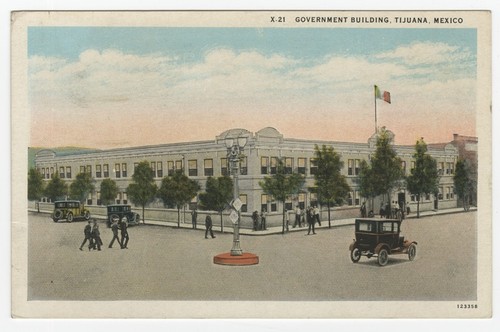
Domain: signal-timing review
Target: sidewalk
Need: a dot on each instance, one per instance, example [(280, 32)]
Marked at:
[(278, 229)]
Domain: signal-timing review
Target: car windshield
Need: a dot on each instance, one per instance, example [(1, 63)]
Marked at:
[(60, 204)]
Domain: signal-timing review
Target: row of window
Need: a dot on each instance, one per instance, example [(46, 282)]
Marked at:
[(445, 193)]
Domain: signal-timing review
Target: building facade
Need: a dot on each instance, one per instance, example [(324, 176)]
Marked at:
[(202, 159)]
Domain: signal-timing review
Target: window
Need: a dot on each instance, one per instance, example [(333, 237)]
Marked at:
[(118, 198), (288, 204), (452, 192), (356, 198), (413, 165), (105, 169), (288, 165), (448, 192), (314, 199), (302, 201), (350, 198), (159, 169), (441, 168), (403, 166), (356, 166), (179, 165), (98, 171), (386, 227), (244, 206), (440, 195), (353, 166), (51, 172), (124, 170), (98, 195), (223, 167), (274, 165), (153, 168), (243, 166), (117, 170), (61, 172), (314, 167), (43, 173), (125, 200), (68, 172), (209, 167), (135, 166), (301, 163), (264, 165), (170, 168), (263, 202), (193, 168), (89, 199), (449, 168), (365, 227), (82, 169)]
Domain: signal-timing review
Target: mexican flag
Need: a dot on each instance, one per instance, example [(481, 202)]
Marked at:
[(384, 95)]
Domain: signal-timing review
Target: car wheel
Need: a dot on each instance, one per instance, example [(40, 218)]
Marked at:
[(58, 215), (70, 217), (412, 252), (86, 215), (355, 255), (383, 257)]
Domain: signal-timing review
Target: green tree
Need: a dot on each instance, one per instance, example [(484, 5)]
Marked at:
[(385, 170), (56, 188), (177, 190), (366, 182), (81, 187), (143, 188), (218, 194), (463, 183), (282, 185), (35, 186), (109, 190), (330, 185), (424, 177)]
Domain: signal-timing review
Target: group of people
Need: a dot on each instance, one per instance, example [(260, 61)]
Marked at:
[(311, 215), (259, 220), (93, 235), (386, 210)]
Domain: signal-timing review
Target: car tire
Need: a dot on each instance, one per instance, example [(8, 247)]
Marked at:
[(412, 251), (355, 255), (69, 217), (383, 257), (58, 215)]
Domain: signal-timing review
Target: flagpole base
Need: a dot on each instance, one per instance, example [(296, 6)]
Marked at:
[(244, 259)]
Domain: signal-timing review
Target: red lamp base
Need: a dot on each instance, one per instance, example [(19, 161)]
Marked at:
[(245, 259)]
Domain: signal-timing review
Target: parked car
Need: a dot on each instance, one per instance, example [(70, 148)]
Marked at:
[(118, 211), (380, 238), (69, 210)]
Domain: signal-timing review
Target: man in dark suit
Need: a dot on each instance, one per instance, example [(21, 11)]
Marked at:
[(208, 227), (194, 217), (114, 228), (124, 233), (88, 236), (96, 236)]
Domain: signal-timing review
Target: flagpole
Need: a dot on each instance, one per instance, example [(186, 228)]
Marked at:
[(375, 101)]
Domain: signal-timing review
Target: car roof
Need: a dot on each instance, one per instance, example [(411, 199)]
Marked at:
[(68, 201), (377, 219), (118, 205)]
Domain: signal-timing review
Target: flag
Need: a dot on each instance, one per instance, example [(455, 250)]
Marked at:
[(384, 95)]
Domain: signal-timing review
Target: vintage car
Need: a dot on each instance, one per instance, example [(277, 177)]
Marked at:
[(118, 211), (69, 210), (378, 237)]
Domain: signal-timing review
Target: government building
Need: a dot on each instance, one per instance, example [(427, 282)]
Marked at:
[(202, 159)]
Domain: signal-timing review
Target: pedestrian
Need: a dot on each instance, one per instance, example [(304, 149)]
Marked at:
[(96, 236), (362, 209), (208, 227), (310, 221), (298, 215), (87, 231), (255, 219), (194, 217), (263, 216), (287, 221), (114, 229), (124, 233), (316, 215), (382, 211)]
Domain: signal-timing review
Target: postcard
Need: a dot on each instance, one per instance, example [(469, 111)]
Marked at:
[(251, 164)]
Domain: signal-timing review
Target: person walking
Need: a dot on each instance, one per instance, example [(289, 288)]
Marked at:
[(194, 217), (298, 215), (114, 229), (255, 219), (208, 227), (87, 231), (310, 221), (287, 221), (96, 236), (362, 209), (263, 216), (124, 233)]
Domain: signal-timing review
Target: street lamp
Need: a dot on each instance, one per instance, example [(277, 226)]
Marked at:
[(234, 151), (236, 257)]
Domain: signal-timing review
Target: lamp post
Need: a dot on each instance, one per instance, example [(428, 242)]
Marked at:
[(235, 257)]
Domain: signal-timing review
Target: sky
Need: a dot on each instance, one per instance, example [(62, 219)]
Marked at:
[(107, 87)]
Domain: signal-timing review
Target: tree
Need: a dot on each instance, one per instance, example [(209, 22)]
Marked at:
[(56, 188), (143, 188), (385, 170), (282, 185), (463, 183), (218, 194), (35, 186), (330, 185), (424, 177), (177, 190), (366, 182), (109, 190), (81, 187)]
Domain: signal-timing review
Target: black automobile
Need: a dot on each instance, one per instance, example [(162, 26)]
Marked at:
[(380, 238), (118, 211)]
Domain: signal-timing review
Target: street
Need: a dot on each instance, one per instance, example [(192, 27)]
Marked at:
[(164, 263)]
